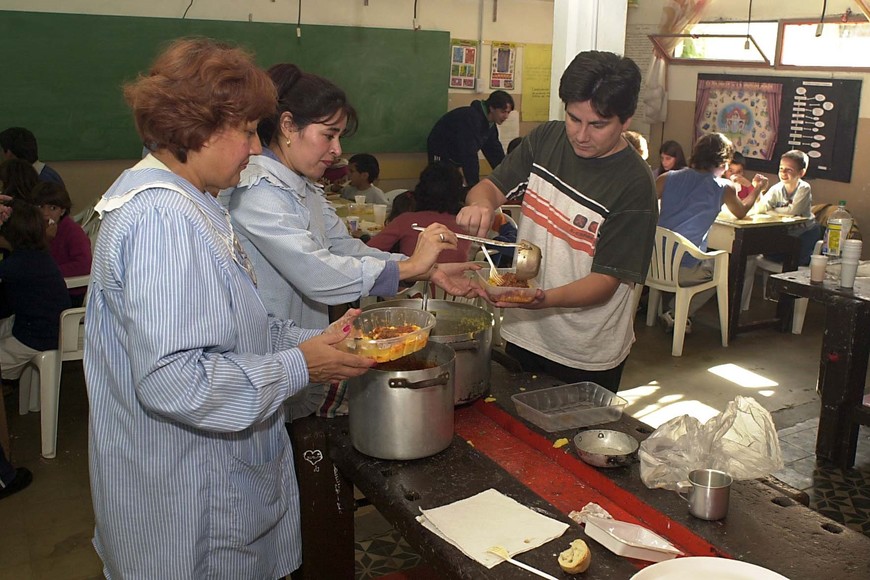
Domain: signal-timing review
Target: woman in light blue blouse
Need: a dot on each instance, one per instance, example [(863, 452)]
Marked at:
[(191, 467)]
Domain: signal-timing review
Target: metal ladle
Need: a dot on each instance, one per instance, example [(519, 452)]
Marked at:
[(528, 254)]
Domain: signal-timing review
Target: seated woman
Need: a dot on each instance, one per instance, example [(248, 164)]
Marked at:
[(69, 245), (34, 293), (437, 199)]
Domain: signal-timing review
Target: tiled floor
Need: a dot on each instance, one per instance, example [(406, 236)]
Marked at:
[(45, 530)]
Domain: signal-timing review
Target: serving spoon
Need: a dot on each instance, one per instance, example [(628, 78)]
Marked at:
[(528, 254)]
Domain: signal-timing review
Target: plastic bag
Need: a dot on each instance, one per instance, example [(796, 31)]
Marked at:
[(740, 441)]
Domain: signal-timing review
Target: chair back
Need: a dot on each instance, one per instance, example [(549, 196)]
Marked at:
[(78, 282), (668, 251), (72, 334)]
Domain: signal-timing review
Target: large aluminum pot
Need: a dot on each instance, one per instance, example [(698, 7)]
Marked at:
[(467, 329), (404, 414)]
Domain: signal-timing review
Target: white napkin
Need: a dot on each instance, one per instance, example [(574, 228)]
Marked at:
[(491, 519)]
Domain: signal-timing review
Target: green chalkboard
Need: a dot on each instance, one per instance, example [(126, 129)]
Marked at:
[(62, 76)]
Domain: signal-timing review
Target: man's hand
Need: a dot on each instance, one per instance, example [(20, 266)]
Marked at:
[(476, 219)]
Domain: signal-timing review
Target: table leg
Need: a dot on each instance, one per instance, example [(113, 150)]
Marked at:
[(736, 275), (842, 372), (327, 504)]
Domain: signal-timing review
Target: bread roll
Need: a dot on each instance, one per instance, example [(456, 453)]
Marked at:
[(576, 558)]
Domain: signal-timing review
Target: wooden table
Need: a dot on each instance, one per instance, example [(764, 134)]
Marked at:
[(764, 526), (843, 361), (747, 237)]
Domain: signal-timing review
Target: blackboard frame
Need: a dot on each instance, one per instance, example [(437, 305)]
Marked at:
[(839, 165), (63, 75)]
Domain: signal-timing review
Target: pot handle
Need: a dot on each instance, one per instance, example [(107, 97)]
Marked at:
[(464, 345), (405, 384)]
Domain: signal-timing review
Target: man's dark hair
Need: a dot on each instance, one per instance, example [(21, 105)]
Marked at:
[(711, 151), (21, 142), (611, 83), (500, 100), (366, 163)]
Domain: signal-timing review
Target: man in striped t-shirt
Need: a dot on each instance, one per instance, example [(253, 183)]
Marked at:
[(590, 205)]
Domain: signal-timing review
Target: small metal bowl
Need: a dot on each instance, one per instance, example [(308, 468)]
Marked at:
[(605, 447)]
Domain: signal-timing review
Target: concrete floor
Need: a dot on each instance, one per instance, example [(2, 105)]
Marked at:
[(46, 529)]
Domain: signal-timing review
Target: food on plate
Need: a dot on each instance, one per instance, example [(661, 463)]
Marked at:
[(576, 558), (510, 280)]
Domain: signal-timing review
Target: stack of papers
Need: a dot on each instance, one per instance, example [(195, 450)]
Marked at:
[(491, 519)]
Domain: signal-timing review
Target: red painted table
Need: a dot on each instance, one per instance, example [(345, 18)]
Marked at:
[(495, 449)]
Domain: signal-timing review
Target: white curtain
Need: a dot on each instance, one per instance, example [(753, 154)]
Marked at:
[(678, 16)]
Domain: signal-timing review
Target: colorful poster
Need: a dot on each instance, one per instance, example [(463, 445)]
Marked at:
[(463, 64), (537, 62), (745, 112), (503, 62)]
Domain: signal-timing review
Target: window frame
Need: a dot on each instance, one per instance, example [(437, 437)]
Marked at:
[(777, 63), (711, 62), (780, 35)]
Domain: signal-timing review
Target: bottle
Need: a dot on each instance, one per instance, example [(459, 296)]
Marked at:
[(839, 226)]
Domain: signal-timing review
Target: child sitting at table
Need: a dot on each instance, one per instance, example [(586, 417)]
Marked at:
[(69, 245), (793, 196), (437, 198), (735, 174), (34, 292), (363, 170)]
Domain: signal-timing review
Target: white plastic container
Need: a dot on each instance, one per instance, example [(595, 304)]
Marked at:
[(630, 540), (837, 230)]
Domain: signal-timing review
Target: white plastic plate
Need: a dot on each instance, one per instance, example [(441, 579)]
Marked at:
[(630, 540), (708, 568)]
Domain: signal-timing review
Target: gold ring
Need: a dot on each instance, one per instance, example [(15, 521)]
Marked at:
[(441, 236)]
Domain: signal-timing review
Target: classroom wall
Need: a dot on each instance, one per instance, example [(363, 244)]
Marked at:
[(682, 82), (520, 21)]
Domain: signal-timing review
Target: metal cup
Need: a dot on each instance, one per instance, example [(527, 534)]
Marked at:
[(707, 492)]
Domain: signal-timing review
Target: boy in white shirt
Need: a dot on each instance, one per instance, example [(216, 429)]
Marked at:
[(363, 171)]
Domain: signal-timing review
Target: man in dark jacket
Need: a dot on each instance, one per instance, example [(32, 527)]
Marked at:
[(462, 132)]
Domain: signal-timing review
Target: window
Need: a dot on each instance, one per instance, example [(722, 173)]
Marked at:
[(837, 44), (842, 43), (722, 42)]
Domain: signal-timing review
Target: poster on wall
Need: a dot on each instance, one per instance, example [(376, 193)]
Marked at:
[(463, 64), (537, 62), (747, 112), (503, 63), (767, 116)]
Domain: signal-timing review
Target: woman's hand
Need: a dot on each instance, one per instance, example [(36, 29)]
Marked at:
[(430, 243), (50, 229), (325, 362), (451, 277)]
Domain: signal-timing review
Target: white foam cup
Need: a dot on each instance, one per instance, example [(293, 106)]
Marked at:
[(380, 212), (817, 268), (360, 199), (848, 269)]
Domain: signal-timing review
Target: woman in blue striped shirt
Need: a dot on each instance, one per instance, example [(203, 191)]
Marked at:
[(191, 467)]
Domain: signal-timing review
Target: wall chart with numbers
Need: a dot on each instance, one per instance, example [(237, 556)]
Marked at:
[(767, 116)]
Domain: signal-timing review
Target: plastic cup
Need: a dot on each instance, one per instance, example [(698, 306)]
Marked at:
[(380, 212), (359, 199), (352, 222), (848, 269), (817, 268), (851, 249)]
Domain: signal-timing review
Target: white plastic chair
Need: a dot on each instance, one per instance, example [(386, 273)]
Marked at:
[(768, 267), (39, 385), (663, 276), (391, 195)]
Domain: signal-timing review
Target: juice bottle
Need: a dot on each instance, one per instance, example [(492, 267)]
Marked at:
[(839, 225)]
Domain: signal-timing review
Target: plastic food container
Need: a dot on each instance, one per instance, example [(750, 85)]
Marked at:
[(569, 406), (506, 293), (630, 540), (359, 340)]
